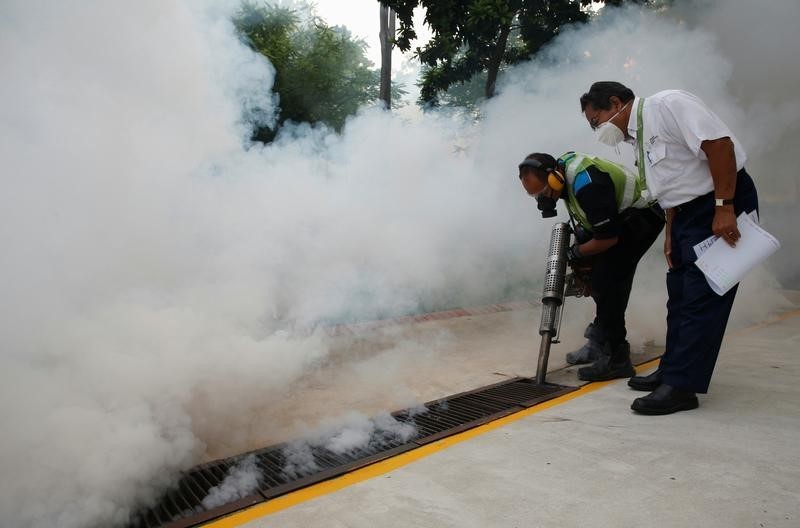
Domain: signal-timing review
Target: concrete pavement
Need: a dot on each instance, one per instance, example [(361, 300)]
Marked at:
[(590, 461)]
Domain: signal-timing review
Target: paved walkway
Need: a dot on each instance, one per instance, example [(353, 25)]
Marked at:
[(589, 461)]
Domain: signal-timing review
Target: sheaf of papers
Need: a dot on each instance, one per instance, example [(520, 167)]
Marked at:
[(725, 266), (701, 247)]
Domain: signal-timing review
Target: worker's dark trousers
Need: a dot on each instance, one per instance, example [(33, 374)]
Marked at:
[(613, 270), (696, 316)]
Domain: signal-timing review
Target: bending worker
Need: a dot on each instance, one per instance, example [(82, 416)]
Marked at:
[(610, 207), (694, 166)]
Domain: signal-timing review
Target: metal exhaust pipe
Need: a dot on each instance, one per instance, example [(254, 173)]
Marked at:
[(553, 294)]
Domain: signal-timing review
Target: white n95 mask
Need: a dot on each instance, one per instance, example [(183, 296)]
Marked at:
[(609, 134)]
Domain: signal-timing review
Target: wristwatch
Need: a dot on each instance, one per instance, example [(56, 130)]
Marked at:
[(719, 202)]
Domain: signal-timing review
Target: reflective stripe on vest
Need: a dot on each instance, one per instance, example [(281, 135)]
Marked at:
[(627, 187)]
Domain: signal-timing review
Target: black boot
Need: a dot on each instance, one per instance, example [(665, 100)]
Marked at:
[(589, 352), (647, 383), (617, 364)]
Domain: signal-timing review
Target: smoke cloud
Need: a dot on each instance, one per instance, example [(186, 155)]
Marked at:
[(345, 435), (241, 481), (163, 281)]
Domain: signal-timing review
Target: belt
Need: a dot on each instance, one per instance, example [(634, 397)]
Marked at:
[(686, 206)]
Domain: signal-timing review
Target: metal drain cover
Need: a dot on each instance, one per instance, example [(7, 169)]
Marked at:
[(183, 507)]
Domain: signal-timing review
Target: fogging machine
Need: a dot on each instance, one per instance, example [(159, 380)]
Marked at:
[(558, 285)]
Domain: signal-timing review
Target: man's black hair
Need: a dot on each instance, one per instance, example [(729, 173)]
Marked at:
[(547, 161), (600, 93)]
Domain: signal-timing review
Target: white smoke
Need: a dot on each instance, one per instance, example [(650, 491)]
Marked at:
[(156, 269), (241, 481), (671, 49), (345, 435)]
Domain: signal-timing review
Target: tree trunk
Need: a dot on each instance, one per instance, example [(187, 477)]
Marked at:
[(496, 60), (386, 38)]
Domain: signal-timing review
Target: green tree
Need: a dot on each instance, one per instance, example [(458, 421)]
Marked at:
[(472, 37), (467, 96), (322, 74)]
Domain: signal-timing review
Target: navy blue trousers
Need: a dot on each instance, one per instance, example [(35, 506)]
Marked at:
[(696, 316)]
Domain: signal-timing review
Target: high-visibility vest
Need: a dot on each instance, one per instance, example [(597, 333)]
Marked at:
[(628, 190)]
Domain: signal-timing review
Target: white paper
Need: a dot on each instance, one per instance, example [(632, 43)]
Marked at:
[(725, 266), (701, 247)]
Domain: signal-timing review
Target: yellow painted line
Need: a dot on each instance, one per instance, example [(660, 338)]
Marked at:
[(403, 459), (772, 320), (390, 464)]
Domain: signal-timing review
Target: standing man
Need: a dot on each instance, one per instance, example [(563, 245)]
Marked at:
[(694, 166), (618, 225)]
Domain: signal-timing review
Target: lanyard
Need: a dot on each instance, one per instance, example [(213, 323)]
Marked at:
[(640, 141)]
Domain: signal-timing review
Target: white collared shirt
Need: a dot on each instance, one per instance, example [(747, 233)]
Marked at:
[(675, 125)]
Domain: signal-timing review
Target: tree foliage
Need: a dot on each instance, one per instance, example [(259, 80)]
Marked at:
[(472, 37), (322, 74)]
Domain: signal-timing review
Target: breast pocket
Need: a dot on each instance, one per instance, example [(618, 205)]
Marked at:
[(655, 152)]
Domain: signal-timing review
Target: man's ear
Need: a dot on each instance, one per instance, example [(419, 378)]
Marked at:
[(614, 100)]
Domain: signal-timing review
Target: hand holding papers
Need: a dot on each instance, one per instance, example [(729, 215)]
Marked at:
[(725, 266)]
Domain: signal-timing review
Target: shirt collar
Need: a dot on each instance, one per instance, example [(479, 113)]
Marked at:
[(632, 119)]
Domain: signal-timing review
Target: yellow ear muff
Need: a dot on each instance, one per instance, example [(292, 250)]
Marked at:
[(555, 180)]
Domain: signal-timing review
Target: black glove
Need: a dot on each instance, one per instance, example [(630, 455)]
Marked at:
[(582, 235), (574, 254)]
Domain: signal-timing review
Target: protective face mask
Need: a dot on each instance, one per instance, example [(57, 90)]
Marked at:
[(610, 134), (546, 205)]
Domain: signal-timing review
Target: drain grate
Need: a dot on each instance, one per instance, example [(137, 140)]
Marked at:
[(183, 507)]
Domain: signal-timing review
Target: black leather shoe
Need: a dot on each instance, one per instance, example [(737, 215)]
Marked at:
[(603, 369), (665, 400), (647, 383)]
